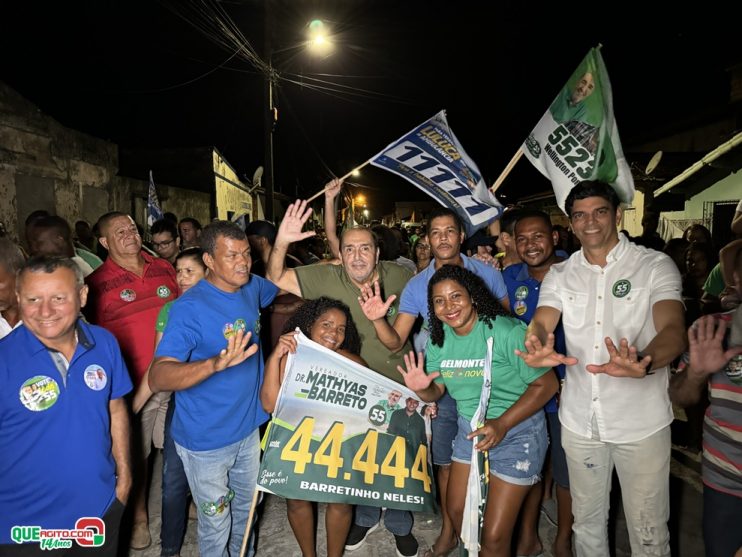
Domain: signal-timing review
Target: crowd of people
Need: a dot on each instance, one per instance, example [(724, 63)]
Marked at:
[(112, 347)]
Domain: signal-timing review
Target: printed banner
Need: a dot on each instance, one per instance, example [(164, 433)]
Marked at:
[(342, 433), (577, 139), (432, 159)]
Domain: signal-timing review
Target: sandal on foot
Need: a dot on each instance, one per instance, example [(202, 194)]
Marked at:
[(432, 552)]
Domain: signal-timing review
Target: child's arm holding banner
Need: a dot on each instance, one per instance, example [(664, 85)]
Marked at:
[(275, 366)]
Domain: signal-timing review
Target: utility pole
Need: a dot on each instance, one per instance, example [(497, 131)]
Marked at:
[(269, 120)]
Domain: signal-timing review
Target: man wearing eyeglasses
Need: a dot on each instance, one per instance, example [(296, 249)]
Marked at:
[(165, 240), (620, 305)]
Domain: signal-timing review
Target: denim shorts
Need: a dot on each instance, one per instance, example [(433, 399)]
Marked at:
[(444, 427), (518, 458)]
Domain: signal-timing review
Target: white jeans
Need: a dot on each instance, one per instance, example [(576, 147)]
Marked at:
[(643, 469)]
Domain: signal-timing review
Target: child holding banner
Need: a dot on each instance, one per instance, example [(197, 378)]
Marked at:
[(327, 322), (463, 315)]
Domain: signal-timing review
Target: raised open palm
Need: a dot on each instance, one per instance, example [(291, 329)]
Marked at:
[(371, 303), (414, 376), (537, 354)]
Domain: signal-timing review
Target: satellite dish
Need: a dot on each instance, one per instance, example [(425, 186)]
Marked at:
[(653, 162), (257, 176)]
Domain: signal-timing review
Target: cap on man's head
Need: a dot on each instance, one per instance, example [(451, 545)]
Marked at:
[(262, 228)]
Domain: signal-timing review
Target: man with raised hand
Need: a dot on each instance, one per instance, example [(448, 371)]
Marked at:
[(205, 355), (535, 242), (360, 266), (621, 309), (714, 362)]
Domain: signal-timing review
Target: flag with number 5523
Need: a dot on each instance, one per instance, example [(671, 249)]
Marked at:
[(577, 139)]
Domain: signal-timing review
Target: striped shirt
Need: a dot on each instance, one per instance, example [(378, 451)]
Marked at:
[(722, 428)]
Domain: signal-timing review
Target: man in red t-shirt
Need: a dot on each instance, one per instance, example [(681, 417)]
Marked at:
[(126, 294)]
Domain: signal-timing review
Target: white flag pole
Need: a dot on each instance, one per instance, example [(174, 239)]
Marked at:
[(516, 157), (323, 190), (249, 525)]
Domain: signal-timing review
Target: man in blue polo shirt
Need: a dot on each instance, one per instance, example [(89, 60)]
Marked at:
[(64, 426), (445, 234), (535, 242), (204, 355)]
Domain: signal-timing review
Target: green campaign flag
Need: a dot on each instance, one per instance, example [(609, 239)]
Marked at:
[(342, 433), (577, 139)]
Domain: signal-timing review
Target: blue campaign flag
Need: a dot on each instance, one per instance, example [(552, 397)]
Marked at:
[(154, 213), (432, 159)]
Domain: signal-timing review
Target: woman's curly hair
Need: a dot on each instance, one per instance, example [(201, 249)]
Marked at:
[(487, 306), (309, 312)]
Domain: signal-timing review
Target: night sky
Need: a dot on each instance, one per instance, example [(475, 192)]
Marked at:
[(141, 74)]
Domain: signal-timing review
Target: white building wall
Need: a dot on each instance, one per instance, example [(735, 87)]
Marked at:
[(728, 189)]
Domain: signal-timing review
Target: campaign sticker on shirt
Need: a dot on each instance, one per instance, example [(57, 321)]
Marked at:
[(228, 330), (621, 288), (128, 295), (163, 291), (255, 326), (521, 293), (39, 393), (95, 377), (734, 370), (240, 325), (520, 307), (392, 310)]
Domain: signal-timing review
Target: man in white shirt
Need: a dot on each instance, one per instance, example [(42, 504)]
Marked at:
[(621, 308), (11, 259)]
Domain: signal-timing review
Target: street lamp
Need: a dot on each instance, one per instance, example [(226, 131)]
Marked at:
[(318, 38)]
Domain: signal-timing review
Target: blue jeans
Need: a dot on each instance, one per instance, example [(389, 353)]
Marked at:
[(174, 492), (721, 533), (558, 458), (396, 521), (222, 483)]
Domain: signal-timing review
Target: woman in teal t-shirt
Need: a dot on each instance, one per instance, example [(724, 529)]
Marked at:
[(463, 314)]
